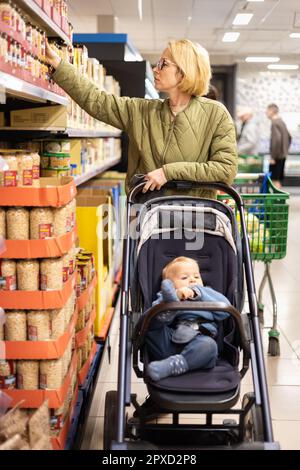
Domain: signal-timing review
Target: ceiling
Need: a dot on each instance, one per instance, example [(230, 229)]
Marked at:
[(204, 21)]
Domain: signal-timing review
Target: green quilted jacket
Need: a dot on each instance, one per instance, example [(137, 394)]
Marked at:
[(198, 145)]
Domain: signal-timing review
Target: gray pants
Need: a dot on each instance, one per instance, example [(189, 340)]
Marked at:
[(200, 353)]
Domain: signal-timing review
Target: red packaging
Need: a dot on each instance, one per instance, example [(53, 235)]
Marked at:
[(45, 231), (10, 178), (27, 177)]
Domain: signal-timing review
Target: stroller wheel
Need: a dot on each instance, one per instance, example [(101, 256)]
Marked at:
[(274, 346), (253, 425), (110, 419)]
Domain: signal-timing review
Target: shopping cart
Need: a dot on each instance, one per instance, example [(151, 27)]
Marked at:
[(266, 213)]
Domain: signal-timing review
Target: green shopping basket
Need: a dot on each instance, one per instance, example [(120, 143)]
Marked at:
[(266, 216), (250, 164)]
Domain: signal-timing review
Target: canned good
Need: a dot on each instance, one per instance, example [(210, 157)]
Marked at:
[(83, 270)]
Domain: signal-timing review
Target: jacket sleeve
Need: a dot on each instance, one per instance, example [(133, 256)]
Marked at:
[(222, 163), (168, 291), (117, 112), (211, 295)]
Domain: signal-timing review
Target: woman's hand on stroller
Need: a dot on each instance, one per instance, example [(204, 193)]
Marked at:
[(184, 293), (155, 180)]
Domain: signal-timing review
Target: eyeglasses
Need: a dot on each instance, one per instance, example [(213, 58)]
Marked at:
[(164, 63)]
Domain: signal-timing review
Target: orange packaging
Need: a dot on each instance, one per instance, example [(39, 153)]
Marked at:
[(53, 192), (35, 398), (40, 349), (82, 335), (85, 369), (38, 300), (85, 295), (43, 248)]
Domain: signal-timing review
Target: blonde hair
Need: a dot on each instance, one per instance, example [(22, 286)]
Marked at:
[(193, 60), (170, 266)]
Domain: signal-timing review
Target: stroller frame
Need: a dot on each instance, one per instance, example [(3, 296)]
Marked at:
[(255, 405)]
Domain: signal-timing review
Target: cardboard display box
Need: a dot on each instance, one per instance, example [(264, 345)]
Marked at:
[(94, 221), (43, 117)]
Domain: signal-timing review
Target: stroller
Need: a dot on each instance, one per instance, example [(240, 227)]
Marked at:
[(163, 229)]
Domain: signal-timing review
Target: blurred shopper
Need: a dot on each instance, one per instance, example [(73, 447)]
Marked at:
[(185, 137), (249, 135), (279, 144)]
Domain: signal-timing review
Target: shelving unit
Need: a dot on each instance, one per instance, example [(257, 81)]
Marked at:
[(19, 88), (100, 169), (60, 131)]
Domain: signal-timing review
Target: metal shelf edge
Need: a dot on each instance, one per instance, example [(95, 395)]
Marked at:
[(100, 169), (84, 133), (18, 87)]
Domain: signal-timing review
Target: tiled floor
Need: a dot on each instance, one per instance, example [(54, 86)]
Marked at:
[(283, 372)]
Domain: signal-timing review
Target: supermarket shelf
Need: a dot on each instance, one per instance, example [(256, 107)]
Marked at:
[(17, 87), (35, 398), (83, 298), (100, 169), (52, 349), (78, 133), (59, 442), (45, 248), (84, 401), (44, 20), (91, 133)]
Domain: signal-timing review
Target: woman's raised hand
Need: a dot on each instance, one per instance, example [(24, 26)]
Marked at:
[(51, 57), (155, 180)]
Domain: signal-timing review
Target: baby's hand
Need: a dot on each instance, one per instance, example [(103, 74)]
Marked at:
[(185, 293)]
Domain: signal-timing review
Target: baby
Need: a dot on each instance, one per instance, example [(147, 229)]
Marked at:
[(186, 342)]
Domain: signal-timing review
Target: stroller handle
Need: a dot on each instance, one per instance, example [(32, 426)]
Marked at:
[(139, 182), (211, 306)]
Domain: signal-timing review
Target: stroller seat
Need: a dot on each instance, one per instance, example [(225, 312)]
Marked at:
[(198, 390)]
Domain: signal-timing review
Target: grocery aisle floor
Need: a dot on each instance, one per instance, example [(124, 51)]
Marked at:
[(283, 372)]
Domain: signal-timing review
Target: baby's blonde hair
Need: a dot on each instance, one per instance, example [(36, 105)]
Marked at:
[(170, 266)]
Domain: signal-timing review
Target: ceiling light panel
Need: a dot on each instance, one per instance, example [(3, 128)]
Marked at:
[(242, 19), (262, 59), (283, 67), (231, 37)]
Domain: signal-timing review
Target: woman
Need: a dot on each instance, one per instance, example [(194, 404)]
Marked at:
[(185, 137)]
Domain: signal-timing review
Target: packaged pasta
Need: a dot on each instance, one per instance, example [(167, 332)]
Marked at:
[(2, 223), (41, 223), (51, 274), (58, 322), (9, 176), (62, 221), (39, 325), (81, 320), (28, 275), (25, 170), (66, 266), (15, 325), (36, 168), (8, 378), (28, 375), (8, 274), (51, 374), (17, 219)]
